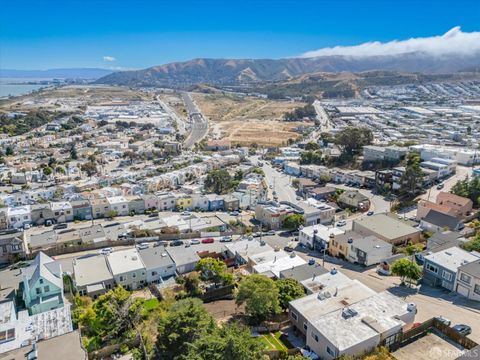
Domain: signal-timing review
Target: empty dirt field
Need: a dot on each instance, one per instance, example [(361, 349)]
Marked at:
[(247, 120)]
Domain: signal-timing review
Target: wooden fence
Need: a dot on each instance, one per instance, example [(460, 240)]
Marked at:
[(423, 329)]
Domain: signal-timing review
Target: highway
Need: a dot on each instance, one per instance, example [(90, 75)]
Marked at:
[(199, 125), (180, 123)]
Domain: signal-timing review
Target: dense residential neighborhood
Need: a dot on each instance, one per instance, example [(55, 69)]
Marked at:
[(313, 204)]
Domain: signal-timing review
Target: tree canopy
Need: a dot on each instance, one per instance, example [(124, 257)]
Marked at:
[(353, 139), (407, 269), (288, 290), (219, 181), (260, 296), (186, 322), (215, 270), (293, 221), (469, 188)]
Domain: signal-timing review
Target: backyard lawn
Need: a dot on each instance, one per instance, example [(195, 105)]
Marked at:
[(272, 341)]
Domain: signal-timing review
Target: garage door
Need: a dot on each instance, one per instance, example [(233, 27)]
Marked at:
[(462, 290)]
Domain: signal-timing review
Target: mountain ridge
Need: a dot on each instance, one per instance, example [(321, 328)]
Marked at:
[(250, 71)]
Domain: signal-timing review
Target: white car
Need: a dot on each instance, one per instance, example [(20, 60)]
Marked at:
[(142, 246), (194, 242), (341, 223), (106, 251)]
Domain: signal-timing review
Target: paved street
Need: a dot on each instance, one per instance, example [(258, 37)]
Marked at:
[(280, 182), (199, 128)]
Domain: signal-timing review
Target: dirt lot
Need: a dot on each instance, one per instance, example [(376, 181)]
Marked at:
[(223, 310), (247, 120), (430, 347)]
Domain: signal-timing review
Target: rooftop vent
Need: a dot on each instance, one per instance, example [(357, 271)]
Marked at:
[(333, 271), (350, 240), (348, 313), (324, 295)]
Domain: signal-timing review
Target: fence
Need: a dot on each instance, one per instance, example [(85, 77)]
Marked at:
[(217, 294), (423, 329), (60, 250)]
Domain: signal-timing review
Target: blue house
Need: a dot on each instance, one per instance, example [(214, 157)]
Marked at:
[(42, 285), (215, 202), (440, 269), (81, 210)]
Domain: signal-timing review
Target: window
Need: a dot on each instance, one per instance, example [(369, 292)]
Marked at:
[(447, 276), (46, 288), (294, 316), (40, 281), (122, 278), (465, 278), (134, 275), (476, 289), (315, 336), (330, 351), (154, 273), (432, 268), (305, 326), (38, 290)]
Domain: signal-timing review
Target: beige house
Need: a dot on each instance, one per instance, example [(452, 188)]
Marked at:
[(462, 206), (387, 228)]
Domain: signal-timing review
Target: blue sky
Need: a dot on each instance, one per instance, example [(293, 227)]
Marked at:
[(45, 34)]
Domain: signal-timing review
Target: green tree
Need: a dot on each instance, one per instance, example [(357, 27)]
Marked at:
[(407, 270), (293, 221), (231, 341), (260, 296), (9, 151), (90, 168), (47, 171), (473, 244), (468, 188), (218, 181), (312, 146), (215, 270), (311, 157), (186, 322), (288, 290), (73, 152), (353, 139), (412, 179)]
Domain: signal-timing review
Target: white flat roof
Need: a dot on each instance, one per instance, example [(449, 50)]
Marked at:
[(277, 265), (124, 261), (328, 281), (379, 311), (452, 258)]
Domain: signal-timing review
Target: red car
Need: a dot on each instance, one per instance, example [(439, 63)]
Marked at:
[(208, 241)]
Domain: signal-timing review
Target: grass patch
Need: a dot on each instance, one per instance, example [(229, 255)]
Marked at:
[(272, 341), (150, 304)]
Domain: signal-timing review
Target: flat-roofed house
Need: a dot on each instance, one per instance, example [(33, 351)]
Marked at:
[(92, 276), (127, 269), (393, 231), (158, 263)]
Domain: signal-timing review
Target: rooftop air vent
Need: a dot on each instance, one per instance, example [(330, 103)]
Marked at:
[(333, 271), (348, 313)]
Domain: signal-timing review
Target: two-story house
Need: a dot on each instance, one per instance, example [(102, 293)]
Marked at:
[(42, 285), (468, 280), (440, 269)]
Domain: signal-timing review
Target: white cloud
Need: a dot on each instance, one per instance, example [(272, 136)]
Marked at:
[(454, 41), (109, 58)]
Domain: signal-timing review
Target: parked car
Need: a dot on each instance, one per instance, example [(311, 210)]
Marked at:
[(185, 213), (106, 251), (257, 234), (161, 243), (462, 329), (288, 249), (440, 186), (341, 223), (187, 243), (194, 241), (271, 232), (226, 239), (60, 226), (176, 243), (443, 320), (234, 213), (311, 262), (153, 215), (142, 246), (370, 213), (26, 226), (208, 241)]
